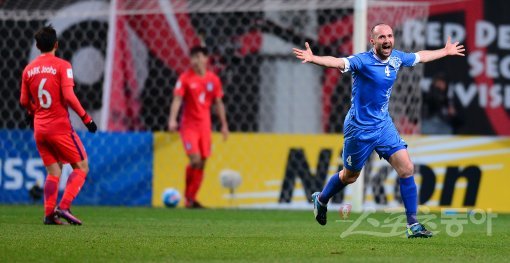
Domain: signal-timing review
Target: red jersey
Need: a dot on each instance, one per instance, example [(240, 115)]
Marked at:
[(198, 93), (43, 81)]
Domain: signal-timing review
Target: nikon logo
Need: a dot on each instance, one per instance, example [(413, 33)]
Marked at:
[(298, 167)]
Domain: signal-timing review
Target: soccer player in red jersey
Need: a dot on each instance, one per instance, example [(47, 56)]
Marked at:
[(46, 92), (197, 90)]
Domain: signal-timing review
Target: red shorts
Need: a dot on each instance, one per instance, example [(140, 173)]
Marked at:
[(63, 148), (196, 141)]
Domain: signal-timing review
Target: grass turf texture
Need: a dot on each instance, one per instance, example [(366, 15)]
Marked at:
[(176, 235)]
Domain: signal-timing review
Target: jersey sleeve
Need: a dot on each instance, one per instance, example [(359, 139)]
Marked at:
[(72, 101), (66, 75), (352, 63), (180, 87), (25, 93), (218, 92), (409, 59)]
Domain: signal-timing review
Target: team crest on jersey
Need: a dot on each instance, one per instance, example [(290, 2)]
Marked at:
[(209, 86), (395, 62)]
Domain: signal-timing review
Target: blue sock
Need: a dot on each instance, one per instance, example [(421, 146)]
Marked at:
[(409, 196), (333, 186)]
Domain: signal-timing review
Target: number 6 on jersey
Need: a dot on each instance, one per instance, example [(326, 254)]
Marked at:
[(43, 93)]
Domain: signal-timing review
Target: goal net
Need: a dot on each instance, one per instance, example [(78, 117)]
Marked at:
[(127, 55)]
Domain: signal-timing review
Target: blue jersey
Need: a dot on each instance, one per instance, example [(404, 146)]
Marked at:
[(373, 81)]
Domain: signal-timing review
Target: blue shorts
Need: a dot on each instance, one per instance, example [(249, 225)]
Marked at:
[(359, 144)]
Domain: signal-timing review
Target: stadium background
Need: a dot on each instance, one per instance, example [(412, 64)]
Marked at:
[(285, 117)]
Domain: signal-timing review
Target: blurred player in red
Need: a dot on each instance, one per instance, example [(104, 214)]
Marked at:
[(46, 92), (197, 89)]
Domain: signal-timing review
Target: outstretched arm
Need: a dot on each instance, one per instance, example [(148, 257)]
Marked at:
[(449, 50), (325, 61)]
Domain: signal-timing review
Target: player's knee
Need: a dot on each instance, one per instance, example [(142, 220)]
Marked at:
[(348, 177), (195, 161), (83, 166), (201, 165), (196, 164), (350, 180), (407, 170), (85, 169), (54, 170)]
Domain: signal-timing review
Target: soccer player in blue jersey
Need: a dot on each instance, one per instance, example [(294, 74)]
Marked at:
[(368, 125)]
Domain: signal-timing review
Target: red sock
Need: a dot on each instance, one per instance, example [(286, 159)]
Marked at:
[(198, 176), (189, 180), (50, 194), (73, 187)]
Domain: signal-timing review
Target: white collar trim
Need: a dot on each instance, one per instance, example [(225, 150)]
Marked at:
[(378, 59)]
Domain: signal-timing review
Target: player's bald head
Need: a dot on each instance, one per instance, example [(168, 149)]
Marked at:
[(377, 28), (382, 40)]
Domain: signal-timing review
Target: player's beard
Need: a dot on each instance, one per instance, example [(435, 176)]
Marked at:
[(383, 51)]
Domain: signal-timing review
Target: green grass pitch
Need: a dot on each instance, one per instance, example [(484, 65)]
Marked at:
[(176, 235)]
